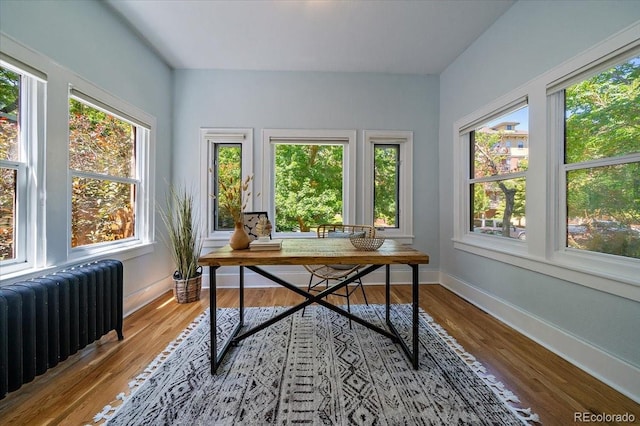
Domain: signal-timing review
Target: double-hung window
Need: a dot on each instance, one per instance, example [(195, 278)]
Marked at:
[(108, 152), (388, 176), (309, 178), (600, 168), (582, 220), (21, 110), (498, 161)]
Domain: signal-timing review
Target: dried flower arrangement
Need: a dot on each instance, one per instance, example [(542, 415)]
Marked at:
[(234, 196)]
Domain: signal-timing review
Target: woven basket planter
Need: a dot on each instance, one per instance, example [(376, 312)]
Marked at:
[(187, 291)]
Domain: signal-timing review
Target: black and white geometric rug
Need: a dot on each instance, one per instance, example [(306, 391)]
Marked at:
[(314, 369)]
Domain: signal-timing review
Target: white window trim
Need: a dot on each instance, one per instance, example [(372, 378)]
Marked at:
[(29, 168), (349, 201), (209, 136), (404, 233), (462, 180), (544, 252), (91, 95), (493, 111), (49, 200)]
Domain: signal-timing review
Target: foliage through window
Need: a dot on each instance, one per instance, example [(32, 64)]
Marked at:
[(308, 185), (11, 163), (602, 161), (104, 175), (386, 188), (227, 170), (499, 160)]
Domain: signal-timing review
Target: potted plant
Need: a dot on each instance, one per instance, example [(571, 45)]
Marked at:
[(185, 243)]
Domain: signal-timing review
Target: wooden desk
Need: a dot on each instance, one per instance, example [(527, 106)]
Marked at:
[(314, 251)]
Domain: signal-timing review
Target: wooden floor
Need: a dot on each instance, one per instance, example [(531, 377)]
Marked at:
[(75, 390)]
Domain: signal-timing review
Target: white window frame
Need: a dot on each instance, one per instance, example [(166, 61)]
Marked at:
[(544, 251), (466, 140), (462, 179), (404, 140), (90, 95), (270, 138), (48, 179), (618, 265), (29, 167), (209, 138)]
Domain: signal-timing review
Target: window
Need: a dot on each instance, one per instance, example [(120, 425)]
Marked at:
[(388, 190), (21, 103), (601, 167), (497, 184), (313, 178), (580, 123), (11, 168), (386, 185), (227, 158), (106, 165)]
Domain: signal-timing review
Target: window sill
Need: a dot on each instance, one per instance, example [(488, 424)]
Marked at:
[(618, 278), (122, 253)]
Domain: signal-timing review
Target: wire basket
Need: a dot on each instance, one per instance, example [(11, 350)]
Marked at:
[(366, 244)]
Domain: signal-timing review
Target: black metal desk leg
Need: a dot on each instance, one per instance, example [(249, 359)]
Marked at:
[(241, 296), (387, 290), (415, 296), (213, 314)]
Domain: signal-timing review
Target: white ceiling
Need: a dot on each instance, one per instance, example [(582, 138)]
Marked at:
[(394, 36)]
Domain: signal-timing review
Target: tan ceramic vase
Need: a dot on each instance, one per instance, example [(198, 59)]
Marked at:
[(239, 239)]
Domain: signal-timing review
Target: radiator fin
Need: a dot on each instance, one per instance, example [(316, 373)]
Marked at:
[(45, 320)]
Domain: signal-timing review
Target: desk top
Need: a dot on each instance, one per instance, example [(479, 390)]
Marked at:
[(316, 251)]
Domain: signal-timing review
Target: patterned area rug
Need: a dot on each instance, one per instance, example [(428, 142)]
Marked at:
[(315, 369)]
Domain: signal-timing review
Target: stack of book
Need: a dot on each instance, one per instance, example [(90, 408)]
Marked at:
[(260, 244)]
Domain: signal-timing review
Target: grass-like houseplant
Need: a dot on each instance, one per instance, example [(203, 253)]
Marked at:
[(185, 243)]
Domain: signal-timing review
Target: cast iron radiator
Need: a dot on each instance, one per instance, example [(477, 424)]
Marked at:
[(45, 320)]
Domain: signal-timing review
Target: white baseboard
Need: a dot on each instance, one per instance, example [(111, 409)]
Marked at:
[(140, 298), (617, 373)]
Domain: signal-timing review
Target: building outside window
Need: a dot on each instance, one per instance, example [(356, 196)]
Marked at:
[(497, 175)]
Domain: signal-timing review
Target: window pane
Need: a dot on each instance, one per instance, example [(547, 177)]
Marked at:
[(494, 201), (99, 142), (308, 186), (101, 210), (386, 189), (502, 145), (227, 174), (603, 209), (9, 114), (8, 178), (603, 114)]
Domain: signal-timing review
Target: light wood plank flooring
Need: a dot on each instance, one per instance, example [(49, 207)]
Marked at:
[(72, 392)]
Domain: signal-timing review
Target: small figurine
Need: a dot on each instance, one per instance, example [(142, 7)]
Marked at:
[(263, 229)]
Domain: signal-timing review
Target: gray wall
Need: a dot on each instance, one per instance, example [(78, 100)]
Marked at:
[(258, 100), (532, 37), (88, 39)]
